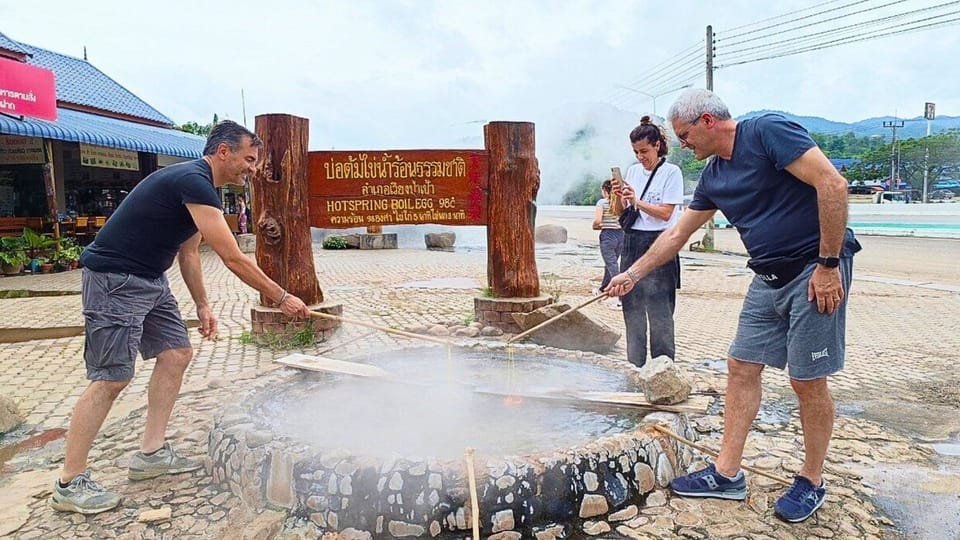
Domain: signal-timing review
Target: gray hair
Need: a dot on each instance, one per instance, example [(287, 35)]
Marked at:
[(694, 102), (230, 133)]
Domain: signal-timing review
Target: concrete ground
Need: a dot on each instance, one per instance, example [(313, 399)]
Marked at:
[(890, 466)]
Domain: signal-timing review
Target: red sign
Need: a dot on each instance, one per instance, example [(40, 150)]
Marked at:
[(27, 90), (392, 187)]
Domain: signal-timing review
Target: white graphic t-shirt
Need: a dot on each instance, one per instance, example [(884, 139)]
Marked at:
[(666, 188)]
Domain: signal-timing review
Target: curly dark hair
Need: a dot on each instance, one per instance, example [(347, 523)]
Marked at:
[(652, 133)]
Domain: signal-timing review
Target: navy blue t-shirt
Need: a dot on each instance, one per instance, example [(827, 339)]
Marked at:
[(775, 213), (144, 234)]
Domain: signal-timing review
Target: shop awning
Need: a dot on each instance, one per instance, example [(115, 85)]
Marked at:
[(76, 126)]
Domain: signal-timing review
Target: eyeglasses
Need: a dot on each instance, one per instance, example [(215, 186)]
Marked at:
[(683, 136)]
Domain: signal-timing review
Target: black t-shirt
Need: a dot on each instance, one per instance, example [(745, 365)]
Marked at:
[(144, 234)]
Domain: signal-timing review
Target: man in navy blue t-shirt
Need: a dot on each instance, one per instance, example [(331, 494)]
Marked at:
[(789, 204), (128, 307)]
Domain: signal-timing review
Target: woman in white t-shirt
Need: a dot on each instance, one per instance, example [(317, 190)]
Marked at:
[(652, 194)]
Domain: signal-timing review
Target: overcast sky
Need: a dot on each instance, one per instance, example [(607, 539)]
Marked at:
[(405, 73)]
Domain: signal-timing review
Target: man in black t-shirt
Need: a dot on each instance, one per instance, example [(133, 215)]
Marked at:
[(128, 307)]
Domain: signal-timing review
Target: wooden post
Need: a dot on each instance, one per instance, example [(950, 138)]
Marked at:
[(512, 210), (280, 217), (50, 186)]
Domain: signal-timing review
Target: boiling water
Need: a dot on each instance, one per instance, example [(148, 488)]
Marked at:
[(428, 406)]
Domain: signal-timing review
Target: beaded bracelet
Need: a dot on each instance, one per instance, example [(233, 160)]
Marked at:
[(282, 298), (632, 275)]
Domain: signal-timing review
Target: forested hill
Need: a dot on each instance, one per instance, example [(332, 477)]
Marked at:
[(912, 127)]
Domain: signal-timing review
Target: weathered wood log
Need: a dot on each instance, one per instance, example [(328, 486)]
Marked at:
[(512, 210), (280, 208)]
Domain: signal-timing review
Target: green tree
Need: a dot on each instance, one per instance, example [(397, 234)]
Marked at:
[(197, 129), (938, 154)]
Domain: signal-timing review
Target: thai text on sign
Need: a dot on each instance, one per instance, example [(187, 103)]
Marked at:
[(27, 90), (394, 187), (16, 150), (108, 158)]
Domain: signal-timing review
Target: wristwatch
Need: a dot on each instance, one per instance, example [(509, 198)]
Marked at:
[(829, 262)]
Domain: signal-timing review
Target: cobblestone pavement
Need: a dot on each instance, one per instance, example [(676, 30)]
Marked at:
[(897, 394)]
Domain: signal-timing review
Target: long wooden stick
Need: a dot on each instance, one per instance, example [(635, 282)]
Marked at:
[(319, 315), (475, 503), (556, 318), (713, 454)]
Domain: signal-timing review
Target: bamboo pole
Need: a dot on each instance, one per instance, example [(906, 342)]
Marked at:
[(474, 503), (556, 318), (714, 455), (319, 315)]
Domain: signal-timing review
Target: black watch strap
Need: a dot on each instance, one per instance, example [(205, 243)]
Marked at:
[(829, 262)]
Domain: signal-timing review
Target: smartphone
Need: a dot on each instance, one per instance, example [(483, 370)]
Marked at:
[(617, 178)]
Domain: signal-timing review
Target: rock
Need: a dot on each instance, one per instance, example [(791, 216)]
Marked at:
[(354, 534), (593, 505), (575, 331), (550, 234), (663, 383), (352, 241), (247, 242), (626, 514), (656, 498), (503, 521), (439, 330), (155, 516), (10, 416), (264, 527), (491, 331), (401, 529), (440, 241), (469, 331), (594, 528)]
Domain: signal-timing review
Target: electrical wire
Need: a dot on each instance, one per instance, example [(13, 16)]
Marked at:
[(843, 41), (805, 17), (838, 30), (782, 15)]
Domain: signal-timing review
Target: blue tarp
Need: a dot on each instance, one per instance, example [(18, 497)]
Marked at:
[(76, 126)]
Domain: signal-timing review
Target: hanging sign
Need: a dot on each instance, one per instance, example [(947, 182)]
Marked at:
[(20, 150), (108, 158), (27, 90)]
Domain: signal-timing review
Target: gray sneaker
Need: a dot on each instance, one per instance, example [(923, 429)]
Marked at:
[(82, 495), (163, 461)]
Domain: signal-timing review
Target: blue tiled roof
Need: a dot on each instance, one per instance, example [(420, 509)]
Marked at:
[(76, 126), (80, 83), (11, 45)]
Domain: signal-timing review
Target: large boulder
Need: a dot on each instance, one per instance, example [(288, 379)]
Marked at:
[(550, 234), (442, 241), (662, 382), (574, 331), (10, 417)]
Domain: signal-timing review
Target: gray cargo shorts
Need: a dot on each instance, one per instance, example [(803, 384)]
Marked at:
[(125, 314), (781, 328)]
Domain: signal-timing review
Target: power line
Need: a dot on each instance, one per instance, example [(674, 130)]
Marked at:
[(801, 18), (680, 60), (843, 41), (817, 23), (792, 42), (782, 15)]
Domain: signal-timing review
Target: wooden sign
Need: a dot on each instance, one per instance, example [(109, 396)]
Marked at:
[(394, 187)]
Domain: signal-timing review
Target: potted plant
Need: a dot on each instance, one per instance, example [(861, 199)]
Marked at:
[(68, 256), (45, 265), (37, 246), (12, 256)]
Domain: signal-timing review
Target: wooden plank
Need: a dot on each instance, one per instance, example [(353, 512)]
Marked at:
[(698, 404), (329, 365)]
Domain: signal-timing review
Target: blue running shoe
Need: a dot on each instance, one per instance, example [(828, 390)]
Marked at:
[(709, 483), (800, 501)]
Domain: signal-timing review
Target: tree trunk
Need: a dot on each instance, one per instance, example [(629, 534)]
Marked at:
[(512, 210), (280, 208)]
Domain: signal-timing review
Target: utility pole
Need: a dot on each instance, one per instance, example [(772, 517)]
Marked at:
[(894, 125), (708, 240), (929, 112)]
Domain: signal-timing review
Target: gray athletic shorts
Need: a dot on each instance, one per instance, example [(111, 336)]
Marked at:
[(780, 327), (126, 314)]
